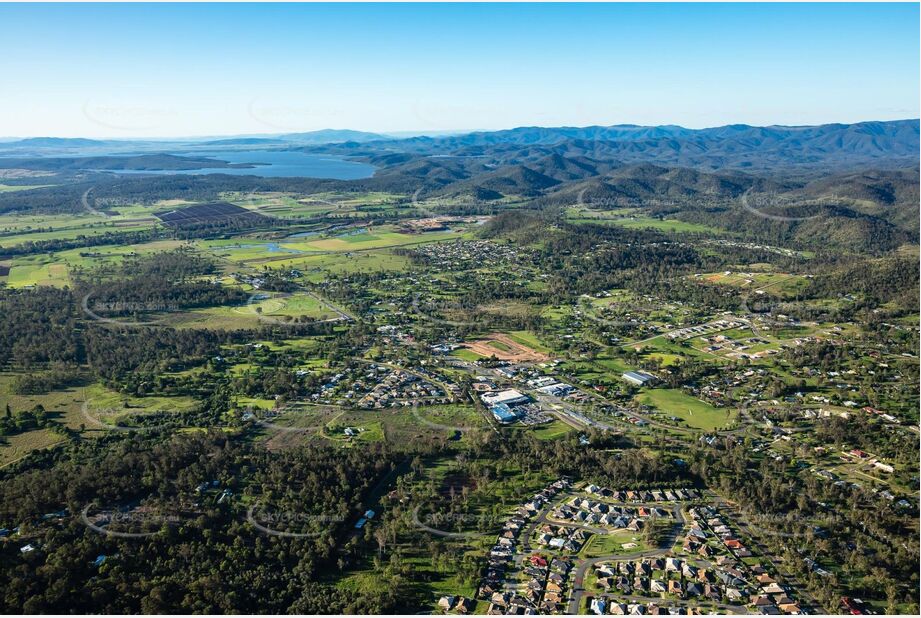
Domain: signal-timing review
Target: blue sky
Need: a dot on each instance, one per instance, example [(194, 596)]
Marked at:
[(169, 70)]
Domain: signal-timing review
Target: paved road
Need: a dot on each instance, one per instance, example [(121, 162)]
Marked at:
[(342, 313), (633, 343), (372, 500), (742, 524), (421, 376), (633, 598), (664, 547)]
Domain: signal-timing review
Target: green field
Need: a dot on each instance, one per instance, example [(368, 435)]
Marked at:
[(696, 413), (548, 431), (54, 268), (10, 188), (784, 284), (340, 204), (278, 309), (529, 339), (289, 251), (66, 407), (665, 225), (612, 544), (467, 355), (462, 416), (315, 267), (109, 407)]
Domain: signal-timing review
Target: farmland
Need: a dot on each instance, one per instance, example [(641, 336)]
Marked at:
[(306, 310), (462, 370)]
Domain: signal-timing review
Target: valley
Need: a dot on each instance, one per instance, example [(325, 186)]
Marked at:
[(518, 382)]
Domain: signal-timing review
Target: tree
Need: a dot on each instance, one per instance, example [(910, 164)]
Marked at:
[(380, 535)]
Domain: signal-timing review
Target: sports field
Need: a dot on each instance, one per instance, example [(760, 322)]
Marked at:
[(696, 413)]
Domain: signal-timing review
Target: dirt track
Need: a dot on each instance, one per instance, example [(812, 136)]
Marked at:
[(516, 352)]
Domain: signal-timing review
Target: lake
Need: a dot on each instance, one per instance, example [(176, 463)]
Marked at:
[(275, 163)]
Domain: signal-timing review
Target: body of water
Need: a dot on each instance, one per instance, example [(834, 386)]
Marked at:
[(273, 163), (271, 247)]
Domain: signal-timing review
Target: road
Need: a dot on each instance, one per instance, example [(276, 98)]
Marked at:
[(372, 501), (656, 336), (792, 579), (444, 388), (688, 603), (342, 313), (664, 547)]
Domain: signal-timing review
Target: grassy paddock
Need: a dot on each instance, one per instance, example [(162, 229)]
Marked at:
[(696, 413)]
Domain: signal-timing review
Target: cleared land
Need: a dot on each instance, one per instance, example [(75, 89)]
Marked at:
[(504, 347)]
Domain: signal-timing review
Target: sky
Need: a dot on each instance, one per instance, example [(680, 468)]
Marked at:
[(172, 70)]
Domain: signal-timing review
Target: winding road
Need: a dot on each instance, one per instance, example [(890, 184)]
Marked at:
[(664, 547)]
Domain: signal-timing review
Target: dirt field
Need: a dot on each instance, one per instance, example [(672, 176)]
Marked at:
[(509, 349)]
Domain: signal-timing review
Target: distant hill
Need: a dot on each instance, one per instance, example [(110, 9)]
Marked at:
[(853, 186), (53, 142), (890, 194), (136, 162), (516, 180), (768, 149), (646, 183), (892, 144), (332, 136), (243, 141)]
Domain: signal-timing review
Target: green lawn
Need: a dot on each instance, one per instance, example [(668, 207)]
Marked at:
[(54, 268), (65, 406), (665, 225), (10, 188), (606, 544), (548, 431), (529, 339), (696, 413), (467, 355)]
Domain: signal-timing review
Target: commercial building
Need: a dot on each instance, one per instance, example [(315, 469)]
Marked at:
[(639, 378), (503, 413), (510, 398)]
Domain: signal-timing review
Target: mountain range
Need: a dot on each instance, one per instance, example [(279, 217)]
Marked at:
[(890, 144), (861, 179)]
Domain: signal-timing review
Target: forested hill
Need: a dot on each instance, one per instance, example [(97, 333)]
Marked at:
[(840, 146), (852, 186)]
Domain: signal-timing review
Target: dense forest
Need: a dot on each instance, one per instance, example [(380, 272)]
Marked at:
[(202, 556)]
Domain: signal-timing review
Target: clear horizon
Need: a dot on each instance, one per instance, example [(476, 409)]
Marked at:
[(179, 71), (401, 134)]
